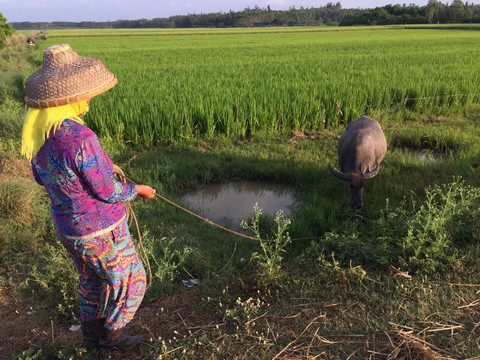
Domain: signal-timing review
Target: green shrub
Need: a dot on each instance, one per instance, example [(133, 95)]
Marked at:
[(52, 280), (5, 30), (421, 238), (168, 259)]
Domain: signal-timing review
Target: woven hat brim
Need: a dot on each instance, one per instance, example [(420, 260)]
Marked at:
[(46, 103), (66, 78)]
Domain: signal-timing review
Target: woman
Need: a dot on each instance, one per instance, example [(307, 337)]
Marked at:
[(87, 202)]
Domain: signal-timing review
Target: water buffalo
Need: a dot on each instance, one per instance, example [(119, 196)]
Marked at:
[(361, 149)]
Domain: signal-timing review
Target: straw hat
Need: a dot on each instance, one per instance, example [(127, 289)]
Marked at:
[(66, 78)]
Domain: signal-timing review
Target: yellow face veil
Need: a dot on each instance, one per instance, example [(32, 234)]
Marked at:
[(41, 123)]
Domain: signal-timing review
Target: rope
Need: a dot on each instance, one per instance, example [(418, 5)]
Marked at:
[(246, 236), (123, 178), (209, 221), (131, 214)]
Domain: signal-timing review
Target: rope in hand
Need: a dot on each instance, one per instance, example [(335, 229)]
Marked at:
[(123, 178), (131, 215)]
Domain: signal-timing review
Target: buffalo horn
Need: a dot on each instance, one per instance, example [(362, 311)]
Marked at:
[(370, 174), (338, 173)]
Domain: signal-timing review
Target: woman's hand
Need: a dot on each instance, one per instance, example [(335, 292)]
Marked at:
[(145, 191)]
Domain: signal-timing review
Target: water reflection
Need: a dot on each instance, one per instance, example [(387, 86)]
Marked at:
[(429, 157), (426, 157), (229, 203)]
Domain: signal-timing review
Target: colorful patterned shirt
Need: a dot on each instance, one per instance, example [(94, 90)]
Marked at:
[(78, 176)]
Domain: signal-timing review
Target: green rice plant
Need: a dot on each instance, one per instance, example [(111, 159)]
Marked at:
[(241, 82)]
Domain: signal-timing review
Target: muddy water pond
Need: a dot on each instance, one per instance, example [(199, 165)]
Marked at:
[(229, 203)]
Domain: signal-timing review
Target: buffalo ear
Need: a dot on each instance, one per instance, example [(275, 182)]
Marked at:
[(338, 173), (370, 174)]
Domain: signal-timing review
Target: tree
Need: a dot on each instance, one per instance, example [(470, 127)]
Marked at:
[(432, 10), (5, 30), (458, 12)]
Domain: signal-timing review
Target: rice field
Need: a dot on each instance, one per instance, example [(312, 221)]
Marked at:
[(183, 83)]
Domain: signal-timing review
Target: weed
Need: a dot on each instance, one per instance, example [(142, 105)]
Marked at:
[(269, 260), (57, 352), (168, 259), (244, 312), (432, 230), (52, 281)]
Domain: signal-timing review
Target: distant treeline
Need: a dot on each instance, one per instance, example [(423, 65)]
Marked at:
[(330, 14)]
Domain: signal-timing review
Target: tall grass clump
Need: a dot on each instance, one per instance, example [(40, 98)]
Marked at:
[(420, 236), (434, 139), (28, 241), (24, 215)]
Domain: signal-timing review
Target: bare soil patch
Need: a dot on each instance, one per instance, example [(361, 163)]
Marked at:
[(23, 328), (165, 318)]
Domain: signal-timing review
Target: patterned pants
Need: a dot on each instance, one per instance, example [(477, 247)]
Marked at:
[(112, 276)]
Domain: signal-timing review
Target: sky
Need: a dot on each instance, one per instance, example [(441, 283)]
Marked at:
[(111, 10)]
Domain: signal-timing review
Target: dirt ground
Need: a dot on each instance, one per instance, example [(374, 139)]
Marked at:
[(167, 317)]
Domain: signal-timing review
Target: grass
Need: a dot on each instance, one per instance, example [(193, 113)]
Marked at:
[(398, 278)]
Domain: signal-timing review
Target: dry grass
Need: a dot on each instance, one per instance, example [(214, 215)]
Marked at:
[(12, 168), (20, 38), (405, 345), (18, 201)]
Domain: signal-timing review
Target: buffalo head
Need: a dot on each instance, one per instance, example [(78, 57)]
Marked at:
[(355, 183)]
